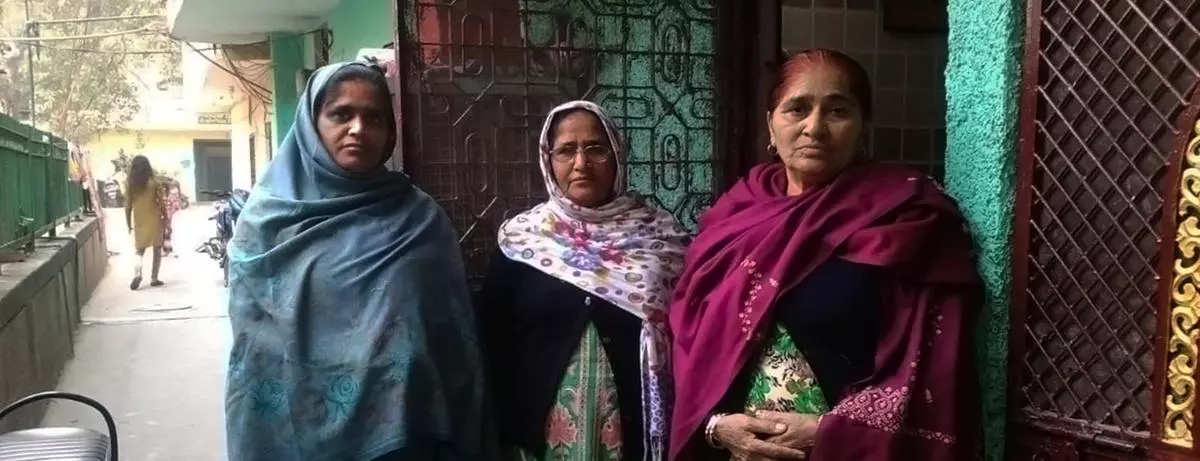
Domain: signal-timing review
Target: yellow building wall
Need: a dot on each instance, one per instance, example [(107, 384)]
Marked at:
[(169, 152), (249, 120)]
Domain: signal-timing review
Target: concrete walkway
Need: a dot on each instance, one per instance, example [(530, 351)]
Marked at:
[(155, 357)]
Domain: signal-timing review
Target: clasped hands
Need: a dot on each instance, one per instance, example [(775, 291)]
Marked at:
[(767, 435)]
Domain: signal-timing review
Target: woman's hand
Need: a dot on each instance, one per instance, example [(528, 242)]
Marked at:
[(740, 434), (801, 433)]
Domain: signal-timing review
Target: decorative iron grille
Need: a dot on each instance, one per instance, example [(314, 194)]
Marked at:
[(1113, 77), (484, 73)]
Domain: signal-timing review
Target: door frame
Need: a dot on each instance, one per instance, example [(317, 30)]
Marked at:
[(745, 72), (201, 173)]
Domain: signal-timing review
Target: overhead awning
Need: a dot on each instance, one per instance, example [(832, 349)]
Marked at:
[(243, 21)]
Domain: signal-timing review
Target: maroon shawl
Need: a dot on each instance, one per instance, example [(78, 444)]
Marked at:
[(921, 401)]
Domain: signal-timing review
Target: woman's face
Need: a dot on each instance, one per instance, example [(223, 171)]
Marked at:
[(817, 126), (581, 154), (354, 126)]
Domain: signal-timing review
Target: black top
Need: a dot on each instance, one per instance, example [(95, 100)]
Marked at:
[(531, 325), (833, 317)]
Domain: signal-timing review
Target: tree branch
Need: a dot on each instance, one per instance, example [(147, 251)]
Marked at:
[(80, 93)]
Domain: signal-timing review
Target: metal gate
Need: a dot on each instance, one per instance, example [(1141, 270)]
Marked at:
[(1095, 336), (480, 76)]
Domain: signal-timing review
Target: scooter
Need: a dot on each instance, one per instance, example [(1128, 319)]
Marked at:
[(228, 206), (64, 443)]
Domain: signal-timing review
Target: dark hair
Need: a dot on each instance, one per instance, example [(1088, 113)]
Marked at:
[(795, 66), (139, 174)]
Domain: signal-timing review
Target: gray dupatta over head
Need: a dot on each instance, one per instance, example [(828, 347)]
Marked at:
[(354, 335)]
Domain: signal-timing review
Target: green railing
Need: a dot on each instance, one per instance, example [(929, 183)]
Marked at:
[(36, 192)]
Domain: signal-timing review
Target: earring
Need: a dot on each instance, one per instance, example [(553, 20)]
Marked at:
[(771, 149)]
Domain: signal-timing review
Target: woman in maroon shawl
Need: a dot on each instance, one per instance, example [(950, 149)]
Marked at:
[(826, 305)]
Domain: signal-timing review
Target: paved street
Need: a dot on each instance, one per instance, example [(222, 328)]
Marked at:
[(156, 357)]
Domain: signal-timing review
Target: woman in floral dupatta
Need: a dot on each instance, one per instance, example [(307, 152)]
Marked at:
[(572, 308), (826, 304)]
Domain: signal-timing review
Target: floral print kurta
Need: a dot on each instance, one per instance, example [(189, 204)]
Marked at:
[(783, 380), (584, 423)]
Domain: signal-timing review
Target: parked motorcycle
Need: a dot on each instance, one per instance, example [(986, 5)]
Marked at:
[(228, 206)]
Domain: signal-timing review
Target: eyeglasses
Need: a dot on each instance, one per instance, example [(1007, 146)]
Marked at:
[(594, 154)]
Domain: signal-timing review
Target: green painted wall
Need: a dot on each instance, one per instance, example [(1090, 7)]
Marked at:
[(287, 57), (358, 24), (982, 91)]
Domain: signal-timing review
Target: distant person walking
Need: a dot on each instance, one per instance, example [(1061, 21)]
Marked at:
[(172, 202), (144, 216)]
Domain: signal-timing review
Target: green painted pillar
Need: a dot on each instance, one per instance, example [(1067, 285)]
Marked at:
[(287, 58), (982, 93)]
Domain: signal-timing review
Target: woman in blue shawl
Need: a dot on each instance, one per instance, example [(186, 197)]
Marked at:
[(353, 330)]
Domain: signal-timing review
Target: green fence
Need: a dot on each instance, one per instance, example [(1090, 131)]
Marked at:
[(36, 192)]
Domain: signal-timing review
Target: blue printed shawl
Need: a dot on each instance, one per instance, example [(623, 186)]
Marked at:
[(354, 336)]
